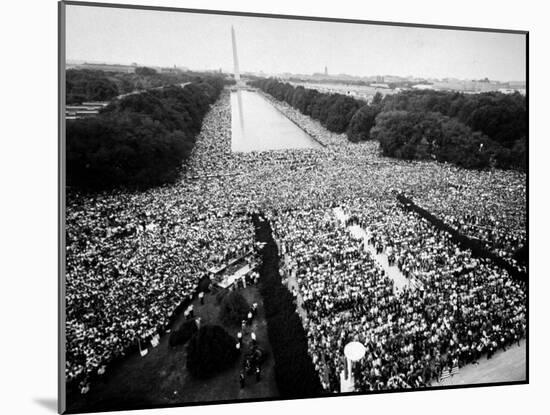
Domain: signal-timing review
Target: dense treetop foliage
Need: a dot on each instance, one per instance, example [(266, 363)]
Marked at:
[(143, 70), (501, 117), (140, 140), (183, 333), (96, 85), (234, 308), (469, 130), (430, 135), (89, 85), (416, 135), (362, 122)]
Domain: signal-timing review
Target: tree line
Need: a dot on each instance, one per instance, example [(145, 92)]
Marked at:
[(89, 85), (96, 85), (468, 130), (491, 126), (140, 140)]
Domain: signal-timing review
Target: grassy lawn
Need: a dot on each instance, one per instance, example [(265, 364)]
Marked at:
[(161, 377)]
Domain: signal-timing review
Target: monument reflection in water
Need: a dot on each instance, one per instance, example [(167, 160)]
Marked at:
[(256, 125)]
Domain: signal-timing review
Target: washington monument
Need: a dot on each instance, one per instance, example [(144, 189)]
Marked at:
[(235, 57), (237, 77)]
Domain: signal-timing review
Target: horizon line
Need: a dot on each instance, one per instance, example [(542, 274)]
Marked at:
[(75, 61)]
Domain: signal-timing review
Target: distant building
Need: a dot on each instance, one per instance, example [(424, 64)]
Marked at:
[(517, 84), (173, 69), (512, 90), (379, 85), (86, 109), (106, 67), (423, 86), (379, 79), (393, 79)]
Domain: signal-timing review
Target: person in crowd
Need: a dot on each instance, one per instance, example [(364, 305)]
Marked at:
[(347, 295), (258, 373), (201, 297), (242, 379)]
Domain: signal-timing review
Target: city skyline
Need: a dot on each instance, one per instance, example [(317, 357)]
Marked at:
[(278, 46), (319, 74)]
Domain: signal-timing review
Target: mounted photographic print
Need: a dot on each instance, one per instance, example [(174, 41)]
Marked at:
[(258, 207)]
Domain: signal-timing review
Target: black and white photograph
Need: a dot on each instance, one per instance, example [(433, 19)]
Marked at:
[(263, 207)]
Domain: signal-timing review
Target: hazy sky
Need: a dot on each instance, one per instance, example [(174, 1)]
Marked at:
[(200, 41)]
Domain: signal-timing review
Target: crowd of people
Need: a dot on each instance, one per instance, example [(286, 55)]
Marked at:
[(487, 206), (463, 307), (253, 355), (133, 257)]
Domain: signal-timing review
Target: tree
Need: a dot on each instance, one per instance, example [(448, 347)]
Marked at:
[(145, 71), (519, 151), (183, 333), (299, 99), (400, 132), (459, 145), (500, 117), (376, 100), (89, 85), (340, 111), (422, 136), (362, 122), (138, 141), (211, 350), (234, 308)]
